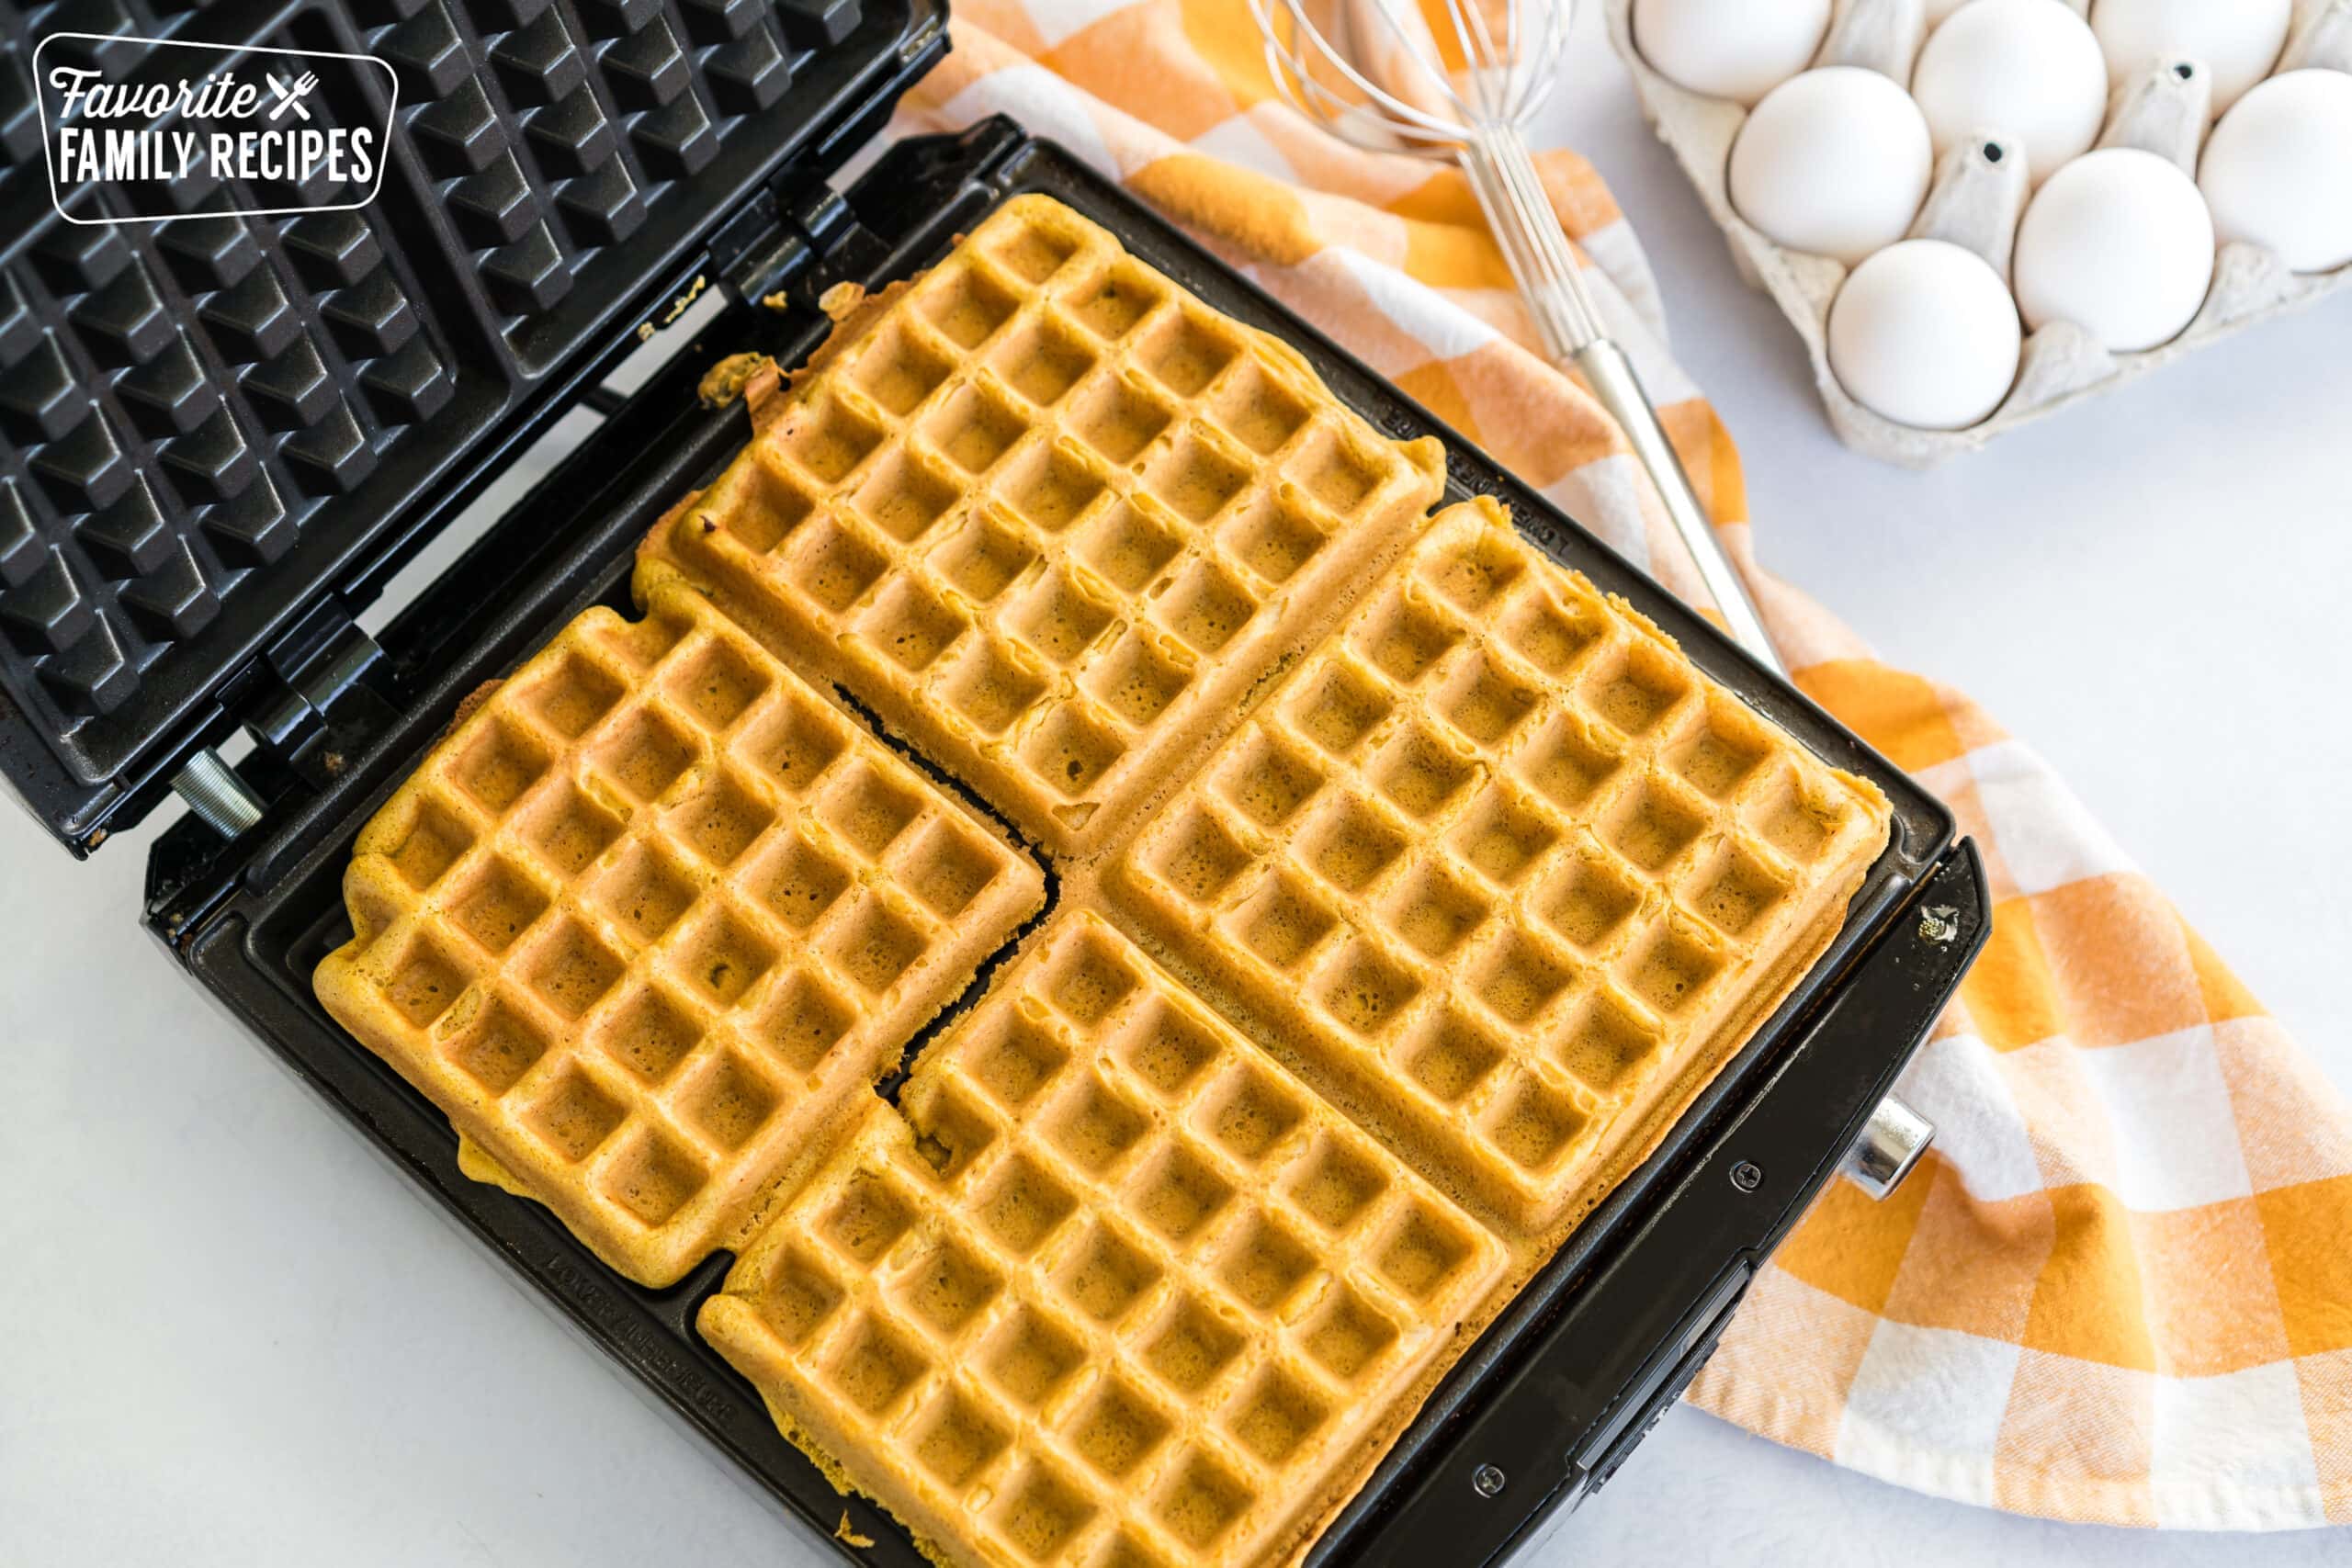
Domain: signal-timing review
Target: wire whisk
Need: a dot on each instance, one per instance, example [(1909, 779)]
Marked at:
[(1458, 80)]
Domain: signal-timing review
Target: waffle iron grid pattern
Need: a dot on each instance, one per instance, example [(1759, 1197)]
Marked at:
[(180, 403), (550, 128), (1045, 507), (1117, 1291), (1497, 860), (649, 916)]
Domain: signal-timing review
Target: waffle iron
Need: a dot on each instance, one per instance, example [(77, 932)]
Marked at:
[(221, 436)]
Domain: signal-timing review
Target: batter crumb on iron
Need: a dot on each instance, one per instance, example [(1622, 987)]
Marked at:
[(724, 382), (840, 300)]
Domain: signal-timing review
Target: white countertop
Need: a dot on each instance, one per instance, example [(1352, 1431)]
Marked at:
[(234, 1336)]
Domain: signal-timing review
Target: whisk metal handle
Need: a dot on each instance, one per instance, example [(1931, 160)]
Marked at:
[(1619, 390), (1503, 176)]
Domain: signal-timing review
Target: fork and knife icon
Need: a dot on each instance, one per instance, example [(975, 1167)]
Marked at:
[(290, 95)]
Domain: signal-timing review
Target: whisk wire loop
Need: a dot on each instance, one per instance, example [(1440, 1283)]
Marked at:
[(1386, 86)]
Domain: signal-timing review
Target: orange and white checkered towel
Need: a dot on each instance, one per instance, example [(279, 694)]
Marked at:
[(2121, 1288)]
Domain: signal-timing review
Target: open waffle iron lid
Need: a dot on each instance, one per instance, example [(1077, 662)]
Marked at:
[(219, 435)]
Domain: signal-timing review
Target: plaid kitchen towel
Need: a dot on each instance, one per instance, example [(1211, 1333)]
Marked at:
[(2121, 1288)]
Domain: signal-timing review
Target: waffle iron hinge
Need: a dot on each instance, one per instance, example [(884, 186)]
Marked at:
[(313, 701), (794, 239), (801, 236)]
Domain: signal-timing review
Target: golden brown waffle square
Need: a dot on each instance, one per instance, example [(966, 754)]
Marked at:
[(1116, 1288), (1050, 515), (648, 917), (1500, 870)]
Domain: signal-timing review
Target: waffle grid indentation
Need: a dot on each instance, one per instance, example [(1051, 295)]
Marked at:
[(182, 403), (553, 130), (177, 404)]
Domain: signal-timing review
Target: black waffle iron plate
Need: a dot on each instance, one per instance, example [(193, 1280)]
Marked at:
[(221, 436)]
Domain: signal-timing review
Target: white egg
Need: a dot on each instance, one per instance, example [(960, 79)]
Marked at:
[(1924, 333), (1937, 10), (1729, 49), (2118, 242), (2236, 40), (1835, 162), (2028, 70), (2278, 170)]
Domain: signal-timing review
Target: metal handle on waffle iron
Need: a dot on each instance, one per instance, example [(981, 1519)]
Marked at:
[(1529, 237), (1892, 1142)]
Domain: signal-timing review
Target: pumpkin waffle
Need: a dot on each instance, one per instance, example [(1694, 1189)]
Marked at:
[(1112, 1288), (1415, 887), (648, 917), (1050, 515), (1500, 871)]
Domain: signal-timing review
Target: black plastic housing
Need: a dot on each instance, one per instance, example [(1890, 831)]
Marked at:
[(1557, 1391)]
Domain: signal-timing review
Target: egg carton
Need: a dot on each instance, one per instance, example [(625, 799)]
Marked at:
[(1975, 200)]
